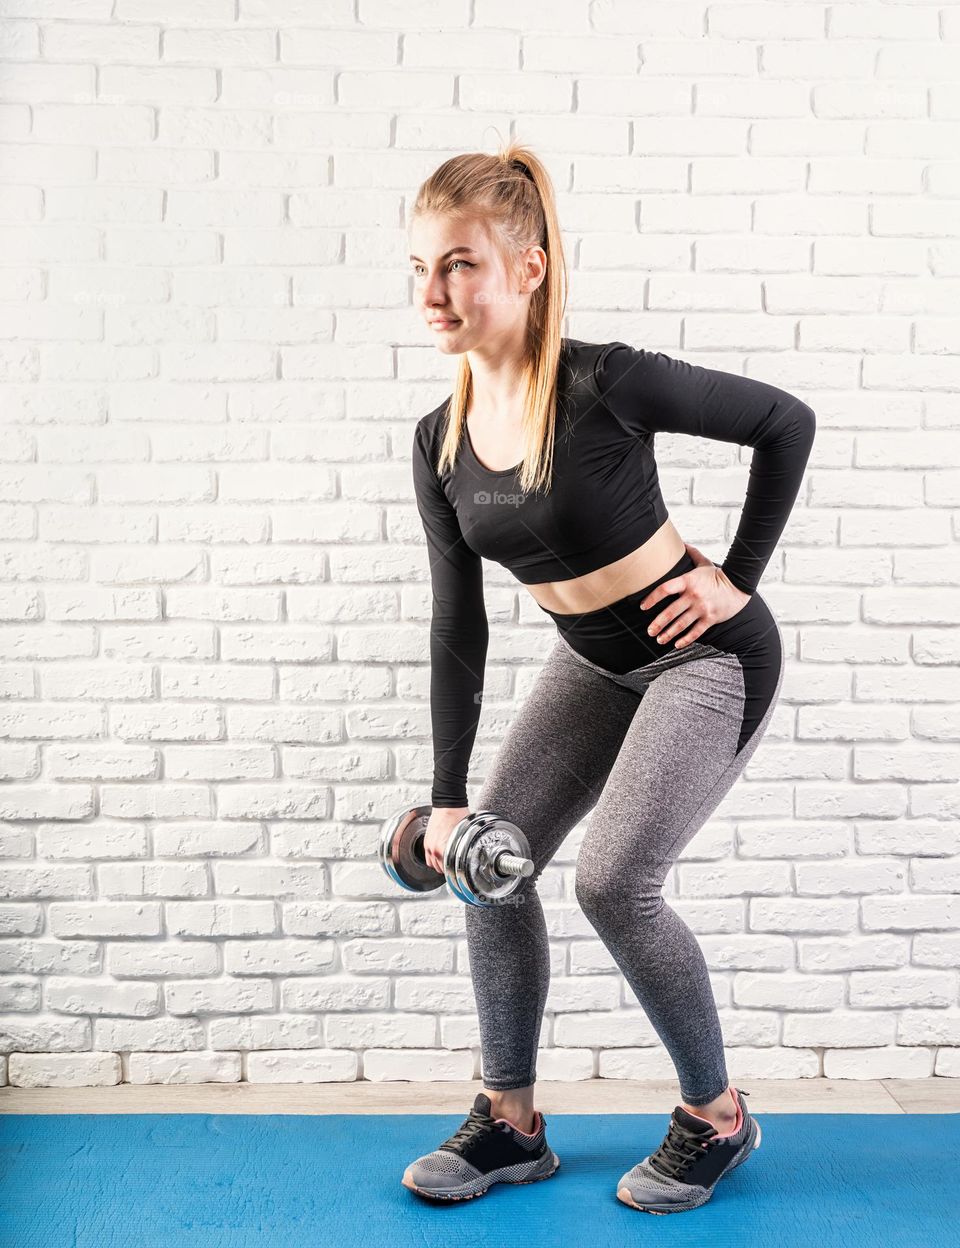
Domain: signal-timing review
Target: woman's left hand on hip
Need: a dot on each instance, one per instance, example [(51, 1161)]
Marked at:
[(706, 596)]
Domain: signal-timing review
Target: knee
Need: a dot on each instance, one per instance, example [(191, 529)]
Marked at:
[(609, 893), (596, 890)]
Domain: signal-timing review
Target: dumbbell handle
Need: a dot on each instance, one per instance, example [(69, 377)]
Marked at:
[(512, 864)]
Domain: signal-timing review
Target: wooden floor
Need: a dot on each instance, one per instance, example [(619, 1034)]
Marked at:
[(595, 1096)]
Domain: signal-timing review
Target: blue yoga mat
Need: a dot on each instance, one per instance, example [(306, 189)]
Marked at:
[(313, 1181)]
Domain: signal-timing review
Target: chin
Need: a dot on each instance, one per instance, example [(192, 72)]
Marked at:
[(447, 344)]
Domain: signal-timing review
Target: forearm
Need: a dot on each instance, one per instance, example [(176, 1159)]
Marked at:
[(776, 474), (457, 664)]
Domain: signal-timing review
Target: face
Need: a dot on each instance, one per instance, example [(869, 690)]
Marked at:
[(469, 298)]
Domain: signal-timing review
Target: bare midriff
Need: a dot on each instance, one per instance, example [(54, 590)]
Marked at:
[(606, 585), (498, 447)]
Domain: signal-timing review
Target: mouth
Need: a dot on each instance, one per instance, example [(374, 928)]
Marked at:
[(444, 324)]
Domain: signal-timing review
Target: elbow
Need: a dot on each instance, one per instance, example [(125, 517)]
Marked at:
[(808, 425), (801, 421)]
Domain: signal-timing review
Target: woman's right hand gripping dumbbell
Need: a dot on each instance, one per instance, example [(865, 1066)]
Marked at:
[(440, 825)]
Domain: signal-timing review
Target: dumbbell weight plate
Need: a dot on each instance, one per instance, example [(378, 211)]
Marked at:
[(401, 850), (471, 853)]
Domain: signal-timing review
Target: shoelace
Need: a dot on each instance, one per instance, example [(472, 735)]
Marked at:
[(473, 1125), (678, 1150)]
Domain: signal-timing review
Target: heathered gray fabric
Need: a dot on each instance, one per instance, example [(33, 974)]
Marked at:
[(652, 753)]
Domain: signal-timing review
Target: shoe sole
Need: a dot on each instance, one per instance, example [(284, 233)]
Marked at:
[(624, 1192), (495, 1176)]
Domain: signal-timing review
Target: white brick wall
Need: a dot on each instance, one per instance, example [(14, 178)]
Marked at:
[(214, 599)]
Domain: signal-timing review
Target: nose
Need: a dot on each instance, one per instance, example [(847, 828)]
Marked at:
[(433, 292)]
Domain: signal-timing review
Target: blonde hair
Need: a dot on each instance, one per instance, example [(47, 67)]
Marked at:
[(512, 195)]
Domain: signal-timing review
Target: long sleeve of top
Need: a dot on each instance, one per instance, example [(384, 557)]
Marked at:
[(458, 632), (652, 392)]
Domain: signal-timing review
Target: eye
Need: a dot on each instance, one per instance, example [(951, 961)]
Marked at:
[(418, 267)]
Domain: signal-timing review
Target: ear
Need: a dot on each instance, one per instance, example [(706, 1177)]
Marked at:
[(533, 269)]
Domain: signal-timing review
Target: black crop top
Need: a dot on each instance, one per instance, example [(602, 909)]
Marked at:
[(604, 502)]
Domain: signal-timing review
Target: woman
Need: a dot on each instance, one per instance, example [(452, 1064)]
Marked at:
[(663, 679)]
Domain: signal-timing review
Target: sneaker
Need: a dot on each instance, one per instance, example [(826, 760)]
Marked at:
[(482, 1151), (684, 1170)]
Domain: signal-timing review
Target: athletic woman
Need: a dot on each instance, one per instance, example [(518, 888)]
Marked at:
[(663, 679)]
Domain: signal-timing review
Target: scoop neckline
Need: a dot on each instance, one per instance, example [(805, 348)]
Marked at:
[(500, 472), (491, 472)]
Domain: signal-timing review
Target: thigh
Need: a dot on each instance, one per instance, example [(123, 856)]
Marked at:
[(693, 734), (553, 762)]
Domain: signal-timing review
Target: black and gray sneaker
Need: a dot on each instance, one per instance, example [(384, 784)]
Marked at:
[(682, 1173), (482, 1151)]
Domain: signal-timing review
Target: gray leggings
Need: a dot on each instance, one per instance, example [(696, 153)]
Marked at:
[(651, 752)]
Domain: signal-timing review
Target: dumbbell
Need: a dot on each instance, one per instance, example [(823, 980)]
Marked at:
[(485, 861)]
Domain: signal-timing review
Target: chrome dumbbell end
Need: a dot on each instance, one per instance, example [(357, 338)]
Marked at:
[(485, 861), (401, 850)]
